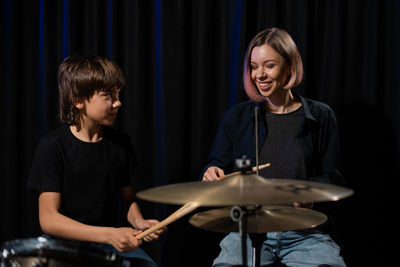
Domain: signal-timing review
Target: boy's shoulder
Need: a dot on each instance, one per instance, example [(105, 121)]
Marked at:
[(55, 135), (62, 138), (53, 142)]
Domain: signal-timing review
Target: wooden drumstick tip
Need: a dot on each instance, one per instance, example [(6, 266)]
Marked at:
[(261, 167)]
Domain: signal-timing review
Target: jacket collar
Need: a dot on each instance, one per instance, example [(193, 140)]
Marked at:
[(307, 112), (306, 107)]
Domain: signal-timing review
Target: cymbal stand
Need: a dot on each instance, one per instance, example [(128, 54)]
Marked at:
[(239, 214), (257, 240)]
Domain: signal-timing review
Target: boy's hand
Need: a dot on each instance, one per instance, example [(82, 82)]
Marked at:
[(146, 224), (123, 239)]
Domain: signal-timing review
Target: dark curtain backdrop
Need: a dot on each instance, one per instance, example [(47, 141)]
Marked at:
[(183, 62)]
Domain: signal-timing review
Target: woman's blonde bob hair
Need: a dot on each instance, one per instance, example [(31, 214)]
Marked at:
[(284, 45)]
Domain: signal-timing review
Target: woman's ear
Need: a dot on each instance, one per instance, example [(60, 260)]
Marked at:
[(289, 70)]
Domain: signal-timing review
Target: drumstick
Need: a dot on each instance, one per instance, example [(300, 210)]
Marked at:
[(186, 209), (253, 169)]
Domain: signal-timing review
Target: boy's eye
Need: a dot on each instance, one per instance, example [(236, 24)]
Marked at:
[(106, 93)]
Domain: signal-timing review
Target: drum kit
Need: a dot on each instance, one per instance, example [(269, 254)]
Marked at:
[(249, 204)]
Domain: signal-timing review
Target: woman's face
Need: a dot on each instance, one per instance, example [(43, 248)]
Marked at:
[(269, 70)]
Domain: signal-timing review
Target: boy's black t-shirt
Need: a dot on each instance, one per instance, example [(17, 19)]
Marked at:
[(88, 175)]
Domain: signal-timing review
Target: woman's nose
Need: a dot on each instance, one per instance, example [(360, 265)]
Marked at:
[(260, 74)]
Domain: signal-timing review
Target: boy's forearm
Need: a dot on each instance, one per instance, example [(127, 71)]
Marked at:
[(61, 226), (130, 207), (134, 214)]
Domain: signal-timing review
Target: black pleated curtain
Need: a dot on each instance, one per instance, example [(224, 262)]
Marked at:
[(183, 62)]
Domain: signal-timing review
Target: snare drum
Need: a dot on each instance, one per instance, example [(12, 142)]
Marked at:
[(47, 251)]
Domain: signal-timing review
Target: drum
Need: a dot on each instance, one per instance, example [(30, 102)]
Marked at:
[(53, 252)]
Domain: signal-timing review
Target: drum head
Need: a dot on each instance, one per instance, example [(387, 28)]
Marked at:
[(55, 252)]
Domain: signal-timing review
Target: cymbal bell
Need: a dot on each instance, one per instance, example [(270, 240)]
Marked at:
[(245, 189), (263, 220)]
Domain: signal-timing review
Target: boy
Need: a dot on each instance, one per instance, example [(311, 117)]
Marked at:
[(81, 168)]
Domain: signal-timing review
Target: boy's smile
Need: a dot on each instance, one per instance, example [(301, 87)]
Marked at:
[(101, 108)]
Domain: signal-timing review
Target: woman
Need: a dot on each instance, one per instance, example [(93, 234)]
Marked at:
[(298, 136)]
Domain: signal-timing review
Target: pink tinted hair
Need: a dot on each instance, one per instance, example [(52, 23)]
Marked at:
[(284, 45)]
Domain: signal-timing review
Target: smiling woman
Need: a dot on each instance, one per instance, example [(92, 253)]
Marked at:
[(269, 70), (298, 136), (271, 50)]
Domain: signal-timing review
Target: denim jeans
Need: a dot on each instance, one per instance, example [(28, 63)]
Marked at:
[(137, 258), (304, 248)]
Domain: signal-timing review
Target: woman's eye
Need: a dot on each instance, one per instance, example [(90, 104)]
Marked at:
[(270, 66)]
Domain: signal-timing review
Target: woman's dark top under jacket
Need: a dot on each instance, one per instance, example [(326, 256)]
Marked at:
[(317, 136)]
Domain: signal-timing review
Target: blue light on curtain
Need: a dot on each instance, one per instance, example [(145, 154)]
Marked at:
[(42, 94), (6, 37), (65, 29), (6, 67), (396, 37), (109, 30), (234, 41), (160, 144)]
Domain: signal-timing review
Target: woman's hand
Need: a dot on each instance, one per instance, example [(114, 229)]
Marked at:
[(212, 174), (303, 205)]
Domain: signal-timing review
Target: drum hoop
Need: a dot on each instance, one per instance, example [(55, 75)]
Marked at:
[(51, 247)]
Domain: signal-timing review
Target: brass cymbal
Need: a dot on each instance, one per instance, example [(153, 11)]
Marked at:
[(266, 219), (245, 189)]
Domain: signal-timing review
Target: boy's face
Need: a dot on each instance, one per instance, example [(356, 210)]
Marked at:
[(101, 108)]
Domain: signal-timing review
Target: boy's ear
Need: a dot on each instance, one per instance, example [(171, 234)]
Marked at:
[(79, 104)]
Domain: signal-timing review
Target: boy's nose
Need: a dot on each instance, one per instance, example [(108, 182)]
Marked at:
[(117, 103)]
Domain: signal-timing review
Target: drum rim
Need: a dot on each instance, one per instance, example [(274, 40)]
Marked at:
[(53, 247)]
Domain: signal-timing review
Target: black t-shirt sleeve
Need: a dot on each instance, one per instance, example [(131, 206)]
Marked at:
[(45, 174)]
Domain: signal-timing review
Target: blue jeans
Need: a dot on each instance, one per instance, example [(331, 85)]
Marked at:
[(137, 258), (304, 248)]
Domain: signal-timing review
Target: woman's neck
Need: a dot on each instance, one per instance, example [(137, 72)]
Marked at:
[(282, 102)]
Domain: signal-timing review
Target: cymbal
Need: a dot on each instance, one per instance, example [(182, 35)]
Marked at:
[(266, 219), (245, 189)]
